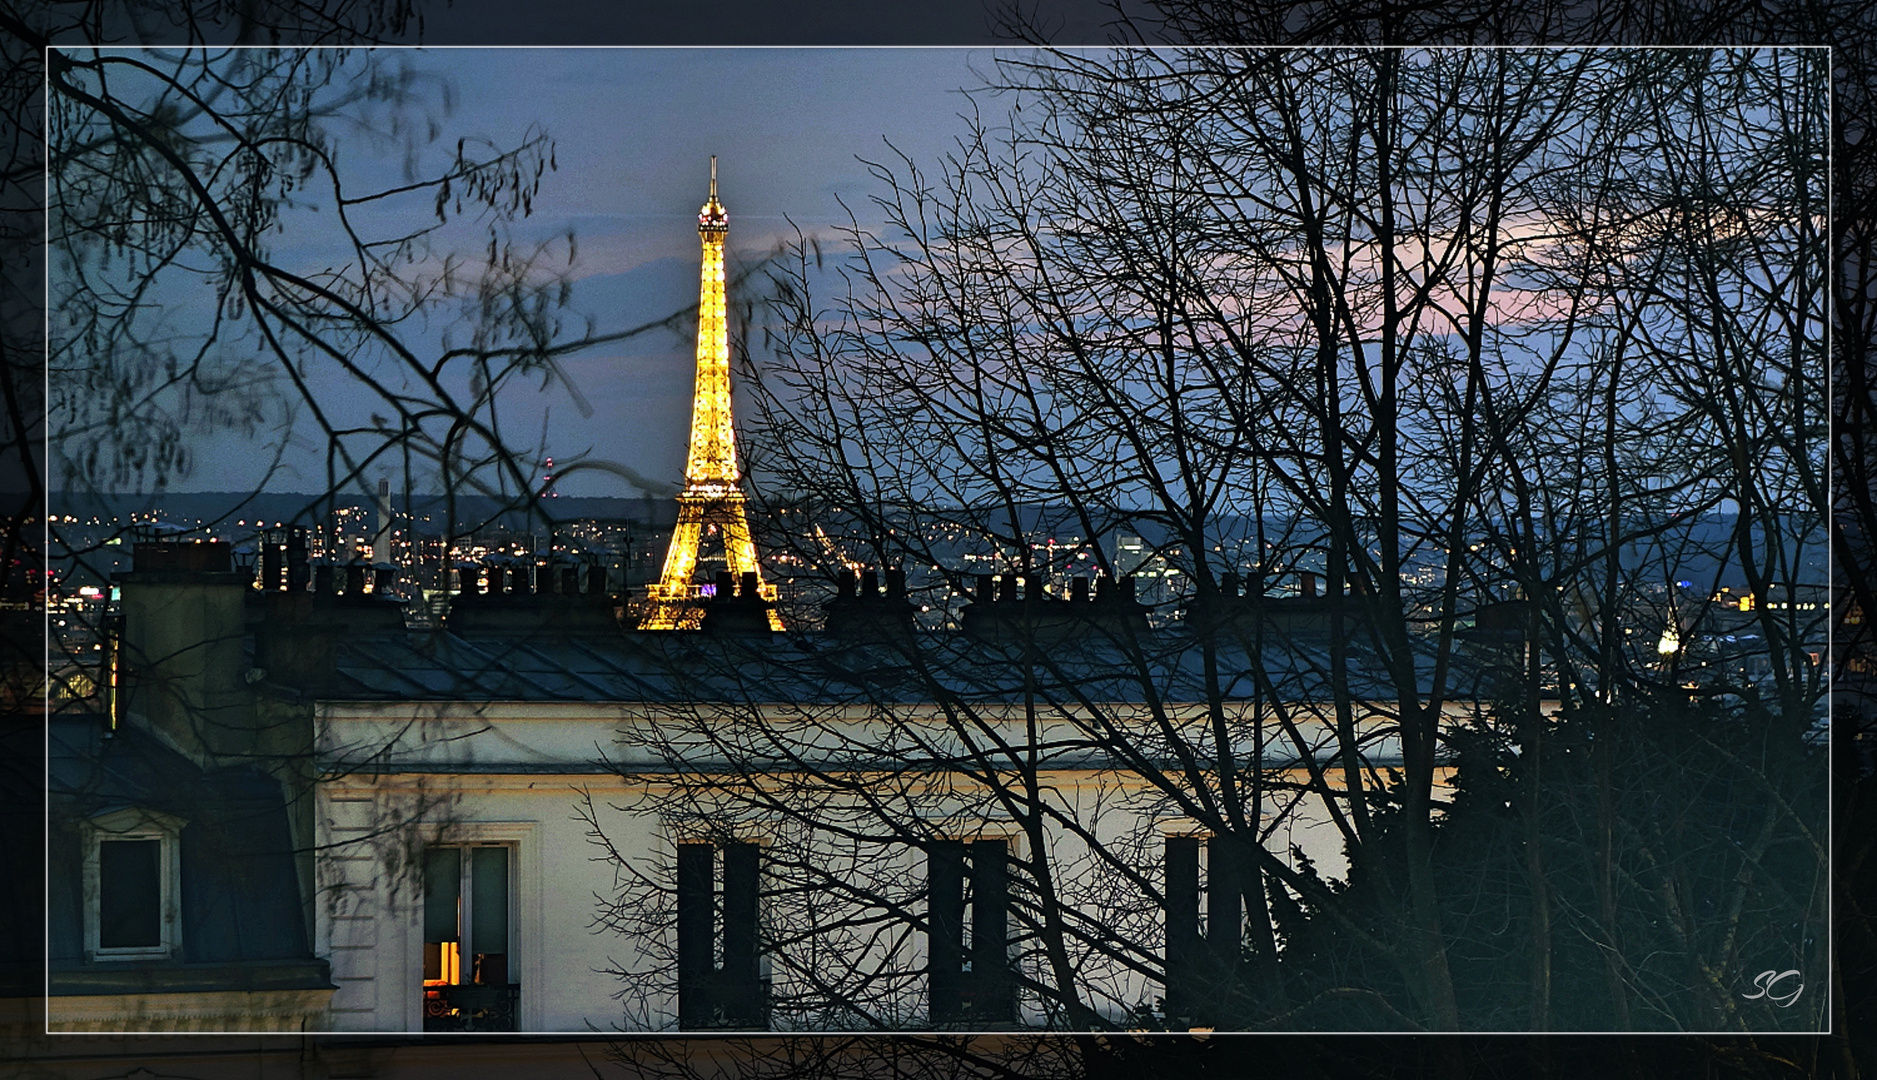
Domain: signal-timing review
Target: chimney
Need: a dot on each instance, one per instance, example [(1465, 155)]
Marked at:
[(381, 541), (1007, 588), (987, 589), (726, 584), (298, 573), (384, 579), (570, 581), (1228, 586), (870, 616), (273, 573), (355, 579), (1307, 583), (1078, 590), (596, 581), (184, 610), (750, 591), (322, 580)]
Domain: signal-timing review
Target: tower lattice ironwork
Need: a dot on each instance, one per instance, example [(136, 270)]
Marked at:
[(711, 503)]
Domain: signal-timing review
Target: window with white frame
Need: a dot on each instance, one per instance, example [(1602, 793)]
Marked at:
[(475, 945), (133, 885), (468, 939), (467, 907)]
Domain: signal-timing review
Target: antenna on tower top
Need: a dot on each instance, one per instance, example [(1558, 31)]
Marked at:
[(713, 177)]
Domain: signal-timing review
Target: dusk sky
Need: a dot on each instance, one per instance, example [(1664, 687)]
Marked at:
[(634, 129)]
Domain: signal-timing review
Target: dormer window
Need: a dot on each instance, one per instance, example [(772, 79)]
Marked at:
[(133, 894)]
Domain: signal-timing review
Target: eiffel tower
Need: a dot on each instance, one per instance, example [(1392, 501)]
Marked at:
[(711, 504)]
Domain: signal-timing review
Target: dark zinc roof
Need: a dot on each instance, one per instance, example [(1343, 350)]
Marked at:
[(677, 666)]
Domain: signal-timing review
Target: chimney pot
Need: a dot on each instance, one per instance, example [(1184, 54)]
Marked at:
[(1309, 585), (384, 579), (987, 588), (750, 589), (273, 569), (844, 585), (200, 557), (322, 579), (1228, 585), (869, 583), (726, 584), (355, 579), (1006, 588), (895, 584), (596, 580), (297, 572), (1078, 590)]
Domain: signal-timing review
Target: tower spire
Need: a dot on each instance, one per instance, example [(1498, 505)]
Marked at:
[(711, 504)]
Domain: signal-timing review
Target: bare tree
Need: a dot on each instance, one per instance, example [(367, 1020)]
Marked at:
[(1473, 337), (216, 267)]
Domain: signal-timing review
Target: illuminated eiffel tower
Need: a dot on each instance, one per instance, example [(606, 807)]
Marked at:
[(711, 504)]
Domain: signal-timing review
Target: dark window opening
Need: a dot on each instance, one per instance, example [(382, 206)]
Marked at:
[(719, 956), (467, 940), (968, 939), (1203, 949), (130, 894)]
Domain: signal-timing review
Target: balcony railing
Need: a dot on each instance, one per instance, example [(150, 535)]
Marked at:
[(472, 1007)]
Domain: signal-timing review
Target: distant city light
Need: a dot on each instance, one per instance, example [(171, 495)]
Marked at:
[(1670, 641)]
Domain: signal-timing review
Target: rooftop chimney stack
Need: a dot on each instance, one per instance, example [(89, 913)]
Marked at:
[(299, 572), (381, 540)]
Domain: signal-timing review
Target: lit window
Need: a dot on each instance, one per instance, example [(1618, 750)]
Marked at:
[(468, 951), (132, 885)]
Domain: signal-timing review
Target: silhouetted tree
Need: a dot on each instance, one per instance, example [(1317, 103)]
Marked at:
[(1484, 339)]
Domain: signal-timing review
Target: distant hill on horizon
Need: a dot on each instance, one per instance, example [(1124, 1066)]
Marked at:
[(286, 507)]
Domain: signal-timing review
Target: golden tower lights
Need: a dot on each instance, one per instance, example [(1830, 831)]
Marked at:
[(711, 498)]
